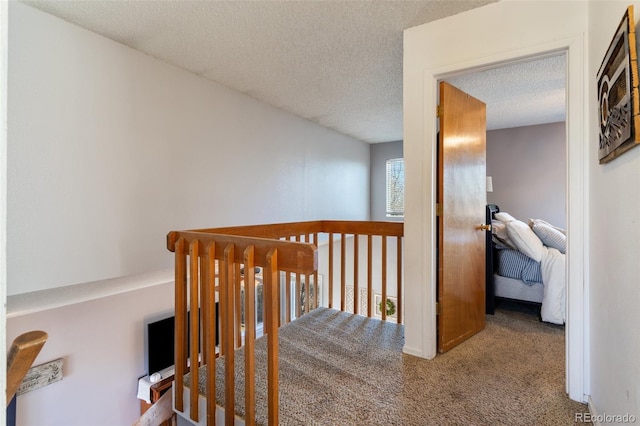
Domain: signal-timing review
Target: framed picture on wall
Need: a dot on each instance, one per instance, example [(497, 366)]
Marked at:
[(618, 99), (391, 306)]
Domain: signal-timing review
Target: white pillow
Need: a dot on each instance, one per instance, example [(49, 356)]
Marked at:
[(504, 217), (500, 236), (550, 236), (499, 229), (525, 239)]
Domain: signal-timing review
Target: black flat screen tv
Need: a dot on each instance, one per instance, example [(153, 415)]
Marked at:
[(160, 342)]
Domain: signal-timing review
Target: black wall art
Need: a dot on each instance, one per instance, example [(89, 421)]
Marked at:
[(618, 100)]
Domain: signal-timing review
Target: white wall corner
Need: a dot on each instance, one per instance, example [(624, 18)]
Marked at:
[(4, 52)]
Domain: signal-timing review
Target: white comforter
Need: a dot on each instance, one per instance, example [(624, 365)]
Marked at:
[(554, 280)]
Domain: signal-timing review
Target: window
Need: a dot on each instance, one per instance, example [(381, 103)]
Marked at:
[(395, 187)]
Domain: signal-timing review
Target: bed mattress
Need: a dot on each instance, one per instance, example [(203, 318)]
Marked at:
[(511, 288)]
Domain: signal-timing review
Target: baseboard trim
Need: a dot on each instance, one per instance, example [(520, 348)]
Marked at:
[(598, 419), (593, 411)]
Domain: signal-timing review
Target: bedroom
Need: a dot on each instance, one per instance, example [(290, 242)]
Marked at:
[(526, 167)]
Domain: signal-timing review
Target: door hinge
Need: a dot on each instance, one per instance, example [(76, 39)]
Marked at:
[(439, 209), (438, 308), (438, 111)]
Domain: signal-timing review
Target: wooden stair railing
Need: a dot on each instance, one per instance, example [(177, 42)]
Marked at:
[(308, 232), (209, 261), (24, 350)]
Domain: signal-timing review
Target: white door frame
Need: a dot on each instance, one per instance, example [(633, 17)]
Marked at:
[(577, 197)]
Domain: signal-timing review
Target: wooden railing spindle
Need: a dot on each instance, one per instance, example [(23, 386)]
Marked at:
[(383, 302), (194, 332), (287, 292), (330, 304), (202, 292), (399, 278), (226, 287), (307, 284), (210, 326), (343, 269), (316, 293), (223, 317), (271, 302), (180, 323), (250, 335), (369, 276), (356, 258), (238, 298), (298, 289), (287, 285)]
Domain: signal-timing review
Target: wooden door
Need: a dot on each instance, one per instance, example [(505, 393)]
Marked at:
[(461, 214)]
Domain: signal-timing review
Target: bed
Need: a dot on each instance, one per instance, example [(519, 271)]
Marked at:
[(526, 262)]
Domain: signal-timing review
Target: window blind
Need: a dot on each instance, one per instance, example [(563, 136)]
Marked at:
[(395, 187)]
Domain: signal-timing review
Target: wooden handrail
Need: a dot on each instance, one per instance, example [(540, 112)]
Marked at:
[(282, 230), (296, 256), (24, 350)]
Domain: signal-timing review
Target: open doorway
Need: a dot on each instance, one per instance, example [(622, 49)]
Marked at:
[(526, 180), (485, 38), (568, 144)]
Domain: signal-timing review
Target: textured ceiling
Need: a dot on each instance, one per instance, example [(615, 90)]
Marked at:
[(520, 94), (337, 63)]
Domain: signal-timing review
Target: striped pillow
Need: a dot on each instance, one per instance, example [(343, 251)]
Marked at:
[(550, 236), (557, 228)]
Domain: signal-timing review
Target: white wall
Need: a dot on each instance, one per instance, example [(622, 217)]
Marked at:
[(615, 246), (4, 52), (102, 345), (111, 149), (380, 153), (488, 36), (528, 166)]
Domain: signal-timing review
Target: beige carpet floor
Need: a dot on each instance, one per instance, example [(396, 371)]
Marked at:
[(340, 369)]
